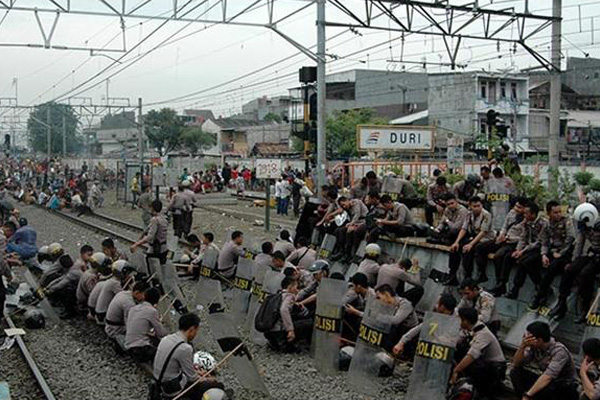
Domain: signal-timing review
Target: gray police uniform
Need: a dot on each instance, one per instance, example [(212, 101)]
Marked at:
[(140, 320), (485, 304), (370, 268), (86, 284), (117, 312), (228, 258), (305, 255), (108, 292)]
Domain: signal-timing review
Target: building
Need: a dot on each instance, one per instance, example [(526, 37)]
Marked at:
[(116, 135), (258, 109), (237, 137), (196, 117), (459, 103)]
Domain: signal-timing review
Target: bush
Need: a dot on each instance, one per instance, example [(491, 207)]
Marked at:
[(583, 178), (594, 184)]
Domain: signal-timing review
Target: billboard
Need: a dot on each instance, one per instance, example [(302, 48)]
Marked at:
[(268, 168), (395, 138)]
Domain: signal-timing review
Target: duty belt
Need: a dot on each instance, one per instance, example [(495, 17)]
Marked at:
[(113, 323)]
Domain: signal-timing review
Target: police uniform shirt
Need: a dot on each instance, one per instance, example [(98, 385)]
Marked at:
[(157, 232), (181, 363), (485, 345), (306, 255), (358, 192), (530, 236), (69, 281), (358, 211), (370, 268), (86, 284), (463, 192), (117, 312), (228, 258), (400, 214), (558, 236), (264, 259), (308, 290), (107, 293), (591, 235), (484, 303), (435, 192), (179, 203), (95, 293), (482, 222), (284, 246), (512, 227), (454, 218), (411, 334), (392, 274), (190, 197), (287, 303), (145, 202), (555, 361), (140, 320), (405, 314), (356, 300), (49, 275)]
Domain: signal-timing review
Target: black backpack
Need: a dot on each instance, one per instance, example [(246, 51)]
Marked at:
[(268, 313)]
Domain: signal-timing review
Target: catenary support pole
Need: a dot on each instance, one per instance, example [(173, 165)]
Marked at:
[(64, 136), (555, 91), (48, 130), (321, 95)]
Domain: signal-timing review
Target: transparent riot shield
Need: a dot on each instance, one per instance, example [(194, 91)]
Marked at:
[(242, 289), (373, 332), (592, 326), (514, 337), (170, 281), (208, 294), (434, 356), (328, 325), (499, 198), (327, 246), (168, 316), (256, 293), (209, 263), (224, 331), (39, 293)]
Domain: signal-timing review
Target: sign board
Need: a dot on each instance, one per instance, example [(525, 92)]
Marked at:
[(268, 168), (455, 151), (395, 138)]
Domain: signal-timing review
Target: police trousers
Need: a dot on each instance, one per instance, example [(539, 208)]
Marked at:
[(487, 377), (583, 271), (522, 380), (395, 230), (530, 264), (556, 267), (503, 262)]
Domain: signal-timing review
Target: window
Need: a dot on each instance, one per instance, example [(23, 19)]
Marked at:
[(492, 92), (596, 75), (503, 90), (483, 93), (513, 91)]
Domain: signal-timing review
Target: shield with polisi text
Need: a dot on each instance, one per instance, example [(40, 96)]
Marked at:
[(592, 326), (271, 284), (373, 333), (498, 195), (433, 359), (256, 294), (242, 288), (209, 263), (514, 337), (44, 303), (223, 330), (328, 325), (327, 247)]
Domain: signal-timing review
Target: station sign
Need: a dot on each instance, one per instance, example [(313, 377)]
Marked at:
[(268, 168), (395, 138)]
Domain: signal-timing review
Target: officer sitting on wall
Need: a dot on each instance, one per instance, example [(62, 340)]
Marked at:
[(484, 362), (483, 302)]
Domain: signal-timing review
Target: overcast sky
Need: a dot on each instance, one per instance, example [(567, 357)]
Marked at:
[(217, 54)]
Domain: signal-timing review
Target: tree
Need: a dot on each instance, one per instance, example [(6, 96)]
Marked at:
[(341, 131), (37, 128), (163, 129), (194, 138), (272, 117)]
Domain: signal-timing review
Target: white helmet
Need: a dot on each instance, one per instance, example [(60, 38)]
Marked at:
[(586, 213), (204, 361), (185, 259), (44, 250), (372, 249), (186, 183), (101, 263), (55, 249), (215, 394)]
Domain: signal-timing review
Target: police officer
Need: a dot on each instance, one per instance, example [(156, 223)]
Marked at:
[(396, 275), (102, 266), (471, 241), (369, 265), (467, 188), (484, 362), (528, 258), (55, 251), (434, 198), (483, 302), (354, 302), (178, 207), (539, 351), (584, 266), (140, 342), (591, 352), (121, 280), (188, 212), (307, 297), (303, 256), (111, 251), (118, 310), (557, 247), (451, 222), (404, 318), (156, 236), (284, 243), (265, 257), (350, 234), (397, 222), (230, 253), (64, 289), (145, 203)]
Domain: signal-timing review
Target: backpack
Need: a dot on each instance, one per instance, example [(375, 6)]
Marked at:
[(268, 313)]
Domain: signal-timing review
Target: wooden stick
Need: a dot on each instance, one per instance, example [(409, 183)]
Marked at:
[(168, 309), (204, 375)]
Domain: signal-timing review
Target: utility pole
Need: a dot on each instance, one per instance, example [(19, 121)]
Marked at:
[(48, 130), (141, 140), (321, 96), (64, 136), (555, 91)]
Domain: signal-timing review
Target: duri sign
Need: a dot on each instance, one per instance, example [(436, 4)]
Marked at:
[(395, 138)]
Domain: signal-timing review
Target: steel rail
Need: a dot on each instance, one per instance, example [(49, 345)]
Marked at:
[(31, 362)]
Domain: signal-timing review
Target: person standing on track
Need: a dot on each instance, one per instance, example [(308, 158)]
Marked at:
[(135, 189), (145, 203), (156, 236)]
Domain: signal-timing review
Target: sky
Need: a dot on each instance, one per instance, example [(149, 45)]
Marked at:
[(228, 65)]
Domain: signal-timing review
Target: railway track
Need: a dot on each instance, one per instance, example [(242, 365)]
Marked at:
[(41, 381)]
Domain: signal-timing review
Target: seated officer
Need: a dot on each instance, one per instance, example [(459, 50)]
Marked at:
[(403, 320), (398, 220), (540, 352), (369, 265), (266, 255), (591, 352), (354, 303), (483, 302), (484, 362), (63, 290), (396, 275), (292, 325), (140, 342), (451, 221), (408, 342), (231, 251), (118, 309)]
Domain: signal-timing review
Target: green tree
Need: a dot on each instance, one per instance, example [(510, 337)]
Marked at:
[(341, 130), (272, 117), (194, 139), (37, 128), (164, 130)]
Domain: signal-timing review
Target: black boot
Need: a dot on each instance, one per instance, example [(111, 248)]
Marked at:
[(513, 293), (498, 290), (537, 302), (451, 281), (482, 277), (560, 310)]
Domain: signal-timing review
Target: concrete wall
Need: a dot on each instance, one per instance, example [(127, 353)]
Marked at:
[(583, 75), (452, 102)]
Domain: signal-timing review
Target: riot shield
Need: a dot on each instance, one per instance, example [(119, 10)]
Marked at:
[(208, 294), (498, 196), (44, 303), (266, 282), (170, 281), (255, 294), (592, 326), (241, 289), (224, 331), (434, 357), (327, 246), (373, 332), (314, 239), (209, 263), (514, 337), (167, 314), (328, 325)]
